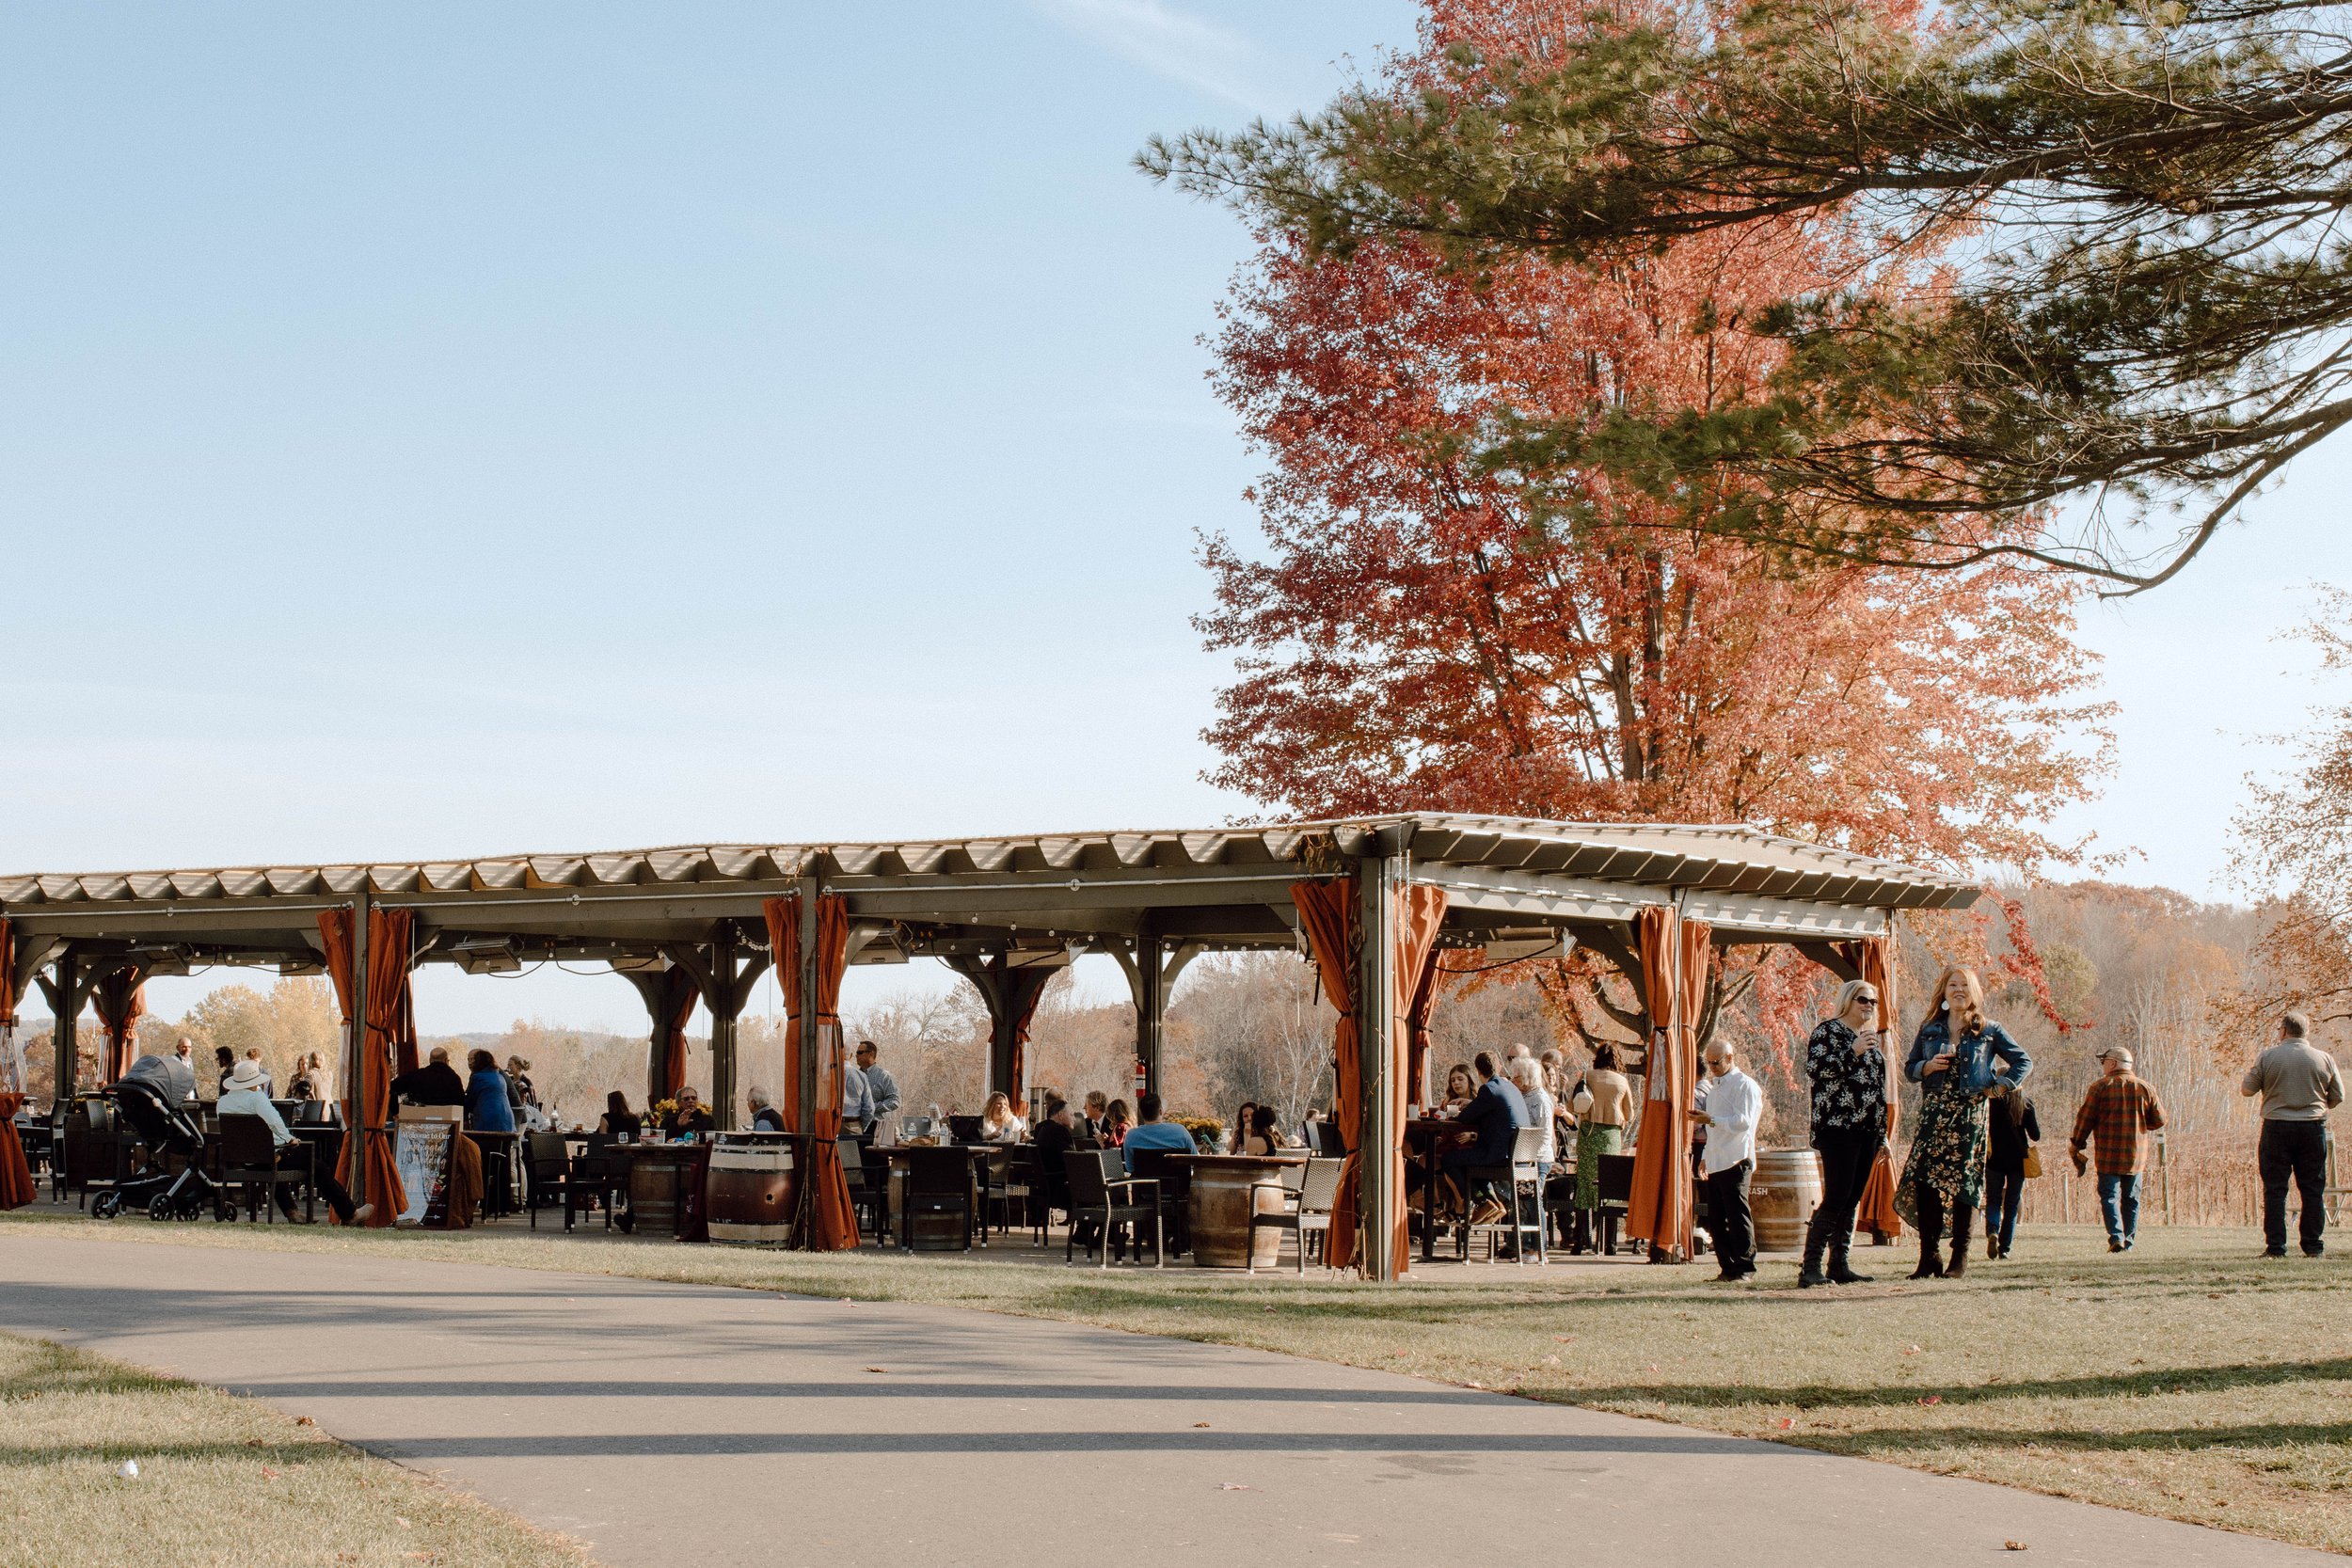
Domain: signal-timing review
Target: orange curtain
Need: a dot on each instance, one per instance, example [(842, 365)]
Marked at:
[(1424, 1002), (1024, 1002), (1413, 995), (120, 999), (16, 1173), (1877, 1212), (1674, 953), (833, 1222), (674, 1007), (1328, 916), (367, 1167)]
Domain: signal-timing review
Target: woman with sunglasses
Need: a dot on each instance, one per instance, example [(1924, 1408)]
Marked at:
[(1847, 1062)]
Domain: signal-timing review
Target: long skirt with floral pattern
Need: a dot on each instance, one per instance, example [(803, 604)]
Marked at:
[(1593, 1140), (1947, 1151)]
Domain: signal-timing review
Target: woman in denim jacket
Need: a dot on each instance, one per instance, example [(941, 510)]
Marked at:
[(1957, 1058)]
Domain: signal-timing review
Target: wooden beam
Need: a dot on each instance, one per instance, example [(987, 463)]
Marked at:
[(1379, 1135)]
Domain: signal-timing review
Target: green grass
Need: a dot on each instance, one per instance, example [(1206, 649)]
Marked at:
[(222, 1481), (2186, 1379)]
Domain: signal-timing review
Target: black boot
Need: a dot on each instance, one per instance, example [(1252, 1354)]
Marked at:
[(1841, 1272), (1930, 1240), (1811, 1275), (1608, 1234), (1962, 1216)]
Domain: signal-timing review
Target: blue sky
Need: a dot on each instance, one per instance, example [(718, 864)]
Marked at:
[(445, 430)]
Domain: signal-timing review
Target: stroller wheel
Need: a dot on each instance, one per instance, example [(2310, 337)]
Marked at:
[(190, 1207), (105, 1206), (161, 1208)]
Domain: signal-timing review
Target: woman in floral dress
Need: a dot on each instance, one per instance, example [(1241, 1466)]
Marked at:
[(1958, 1056)]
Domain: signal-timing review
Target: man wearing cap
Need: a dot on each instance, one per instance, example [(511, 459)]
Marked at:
[(2300, 1085), (2119, 1108), (244, 1096)]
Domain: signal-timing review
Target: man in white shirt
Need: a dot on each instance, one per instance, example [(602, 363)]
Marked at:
[(1734, 1103), (183, 1066), (857, 1102)]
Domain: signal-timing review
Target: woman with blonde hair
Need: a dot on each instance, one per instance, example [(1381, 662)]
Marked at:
[(1845, 1065), (1958, 1058), (999, 1122)]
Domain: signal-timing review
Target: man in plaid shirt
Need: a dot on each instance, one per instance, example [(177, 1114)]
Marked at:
[(2119, 1108)]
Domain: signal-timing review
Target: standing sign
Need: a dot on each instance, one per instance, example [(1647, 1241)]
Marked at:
[(423, 1145)]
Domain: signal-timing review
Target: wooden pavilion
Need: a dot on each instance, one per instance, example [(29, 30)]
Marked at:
[(1374, 901)]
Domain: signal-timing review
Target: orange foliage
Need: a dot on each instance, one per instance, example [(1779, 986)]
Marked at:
[(1414, 633)]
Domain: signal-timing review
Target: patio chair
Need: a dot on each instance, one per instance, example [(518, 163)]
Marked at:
[(1522, 1192), (1174, 1175), (1616, 1191), (1103, 1195), (1305, 1209), (1025, 1185), (546, 1175), (257, 1166), (869, 1190), (599, 1178), (938, 1187)]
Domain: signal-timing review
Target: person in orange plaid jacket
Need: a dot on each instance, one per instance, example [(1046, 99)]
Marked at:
[(2118, 1110)]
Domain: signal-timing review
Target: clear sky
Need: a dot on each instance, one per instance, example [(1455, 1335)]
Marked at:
[(436, 430)]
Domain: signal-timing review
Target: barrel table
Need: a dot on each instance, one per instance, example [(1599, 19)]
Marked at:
[(1782, 1194), (754, 1189), (665, 1189), (1226, 1191)]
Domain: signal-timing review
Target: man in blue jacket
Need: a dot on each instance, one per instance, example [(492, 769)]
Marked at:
[(1495, 1113)]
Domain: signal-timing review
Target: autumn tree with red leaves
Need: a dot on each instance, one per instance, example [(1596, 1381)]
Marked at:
[(1411, 633)]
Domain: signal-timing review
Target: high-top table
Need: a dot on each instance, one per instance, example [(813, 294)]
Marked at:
[(1227, 1189), (666, 1183)]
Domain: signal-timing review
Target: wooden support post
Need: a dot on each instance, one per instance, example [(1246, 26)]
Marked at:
[(355, 1050), (726, 1006), (805, 1031), (65, 1007), (1151, 1004), (1378, 1134)]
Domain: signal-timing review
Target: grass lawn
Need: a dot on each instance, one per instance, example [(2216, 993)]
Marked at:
[(221, 1482), (2188, 1378)]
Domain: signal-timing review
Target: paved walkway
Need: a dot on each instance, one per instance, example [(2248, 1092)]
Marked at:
[(672, 1423)]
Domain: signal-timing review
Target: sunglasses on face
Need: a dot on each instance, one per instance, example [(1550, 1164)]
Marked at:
[(1866, 999)]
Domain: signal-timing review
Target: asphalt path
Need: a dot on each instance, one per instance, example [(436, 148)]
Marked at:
[(669, 1424)]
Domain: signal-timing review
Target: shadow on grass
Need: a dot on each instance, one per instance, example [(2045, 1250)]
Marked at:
[(1898, 1445), (2135, 1385)]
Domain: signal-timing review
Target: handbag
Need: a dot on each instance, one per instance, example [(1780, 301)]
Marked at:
[(2033, 1161)]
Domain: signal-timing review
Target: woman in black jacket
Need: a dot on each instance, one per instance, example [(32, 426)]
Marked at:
[(2015, 1130)]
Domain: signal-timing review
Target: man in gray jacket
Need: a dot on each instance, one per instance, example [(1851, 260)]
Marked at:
[(2300, 1085)]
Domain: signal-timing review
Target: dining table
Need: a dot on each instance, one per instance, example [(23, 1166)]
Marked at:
[(1426, 1139), (1226, 1191)]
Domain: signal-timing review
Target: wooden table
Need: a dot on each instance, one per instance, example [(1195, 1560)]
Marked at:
[(1227, 1189)]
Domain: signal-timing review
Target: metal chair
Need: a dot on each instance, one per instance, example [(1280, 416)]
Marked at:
[(869, 1189), (257, 1164), (1523, 1190), (938, 1186), (547, 1175), (1173, 1173), (1104, 1195), (1306, 1209)]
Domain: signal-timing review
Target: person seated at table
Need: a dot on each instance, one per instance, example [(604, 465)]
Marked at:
[(226, 1060), (309, 1078), (487, 1108), (1241, 1124), (618, 1120), (1096, 1120), (1152, 1132), (245, 1096), (689, 1116), (1263, 1134), (434, 1084), (1117, 1124), (1056, 1137), (764, 1117), (999, 1122), (1462, 1087), (1495, 1115)]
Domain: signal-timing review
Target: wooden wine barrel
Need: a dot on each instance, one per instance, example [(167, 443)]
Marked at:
[(1782, 1194), (752, 1190), (1222, 1202)]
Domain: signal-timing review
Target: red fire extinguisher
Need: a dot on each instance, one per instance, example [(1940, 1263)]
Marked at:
[(1143, 1078)]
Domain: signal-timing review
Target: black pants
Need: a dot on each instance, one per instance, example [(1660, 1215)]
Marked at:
[(1847, 1154), (338, 1197), (1733, 1227), (2298, 1150)]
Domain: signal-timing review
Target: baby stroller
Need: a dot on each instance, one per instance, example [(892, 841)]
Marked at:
[(166, 1129)]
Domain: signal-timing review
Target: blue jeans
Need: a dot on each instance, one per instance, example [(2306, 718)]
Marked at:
[(2004, 1192), (2118, 1202)]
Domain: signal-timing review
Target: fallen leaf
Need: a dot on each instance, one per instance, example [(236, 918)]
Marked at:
[(1911, 1350), (2014, 1547), (1234, 1486), (1653, 1366), (268, 1474), (1787, 1421), (874, 1369), (1200, 1424), (402, 1523), (1933, 1399), (303, 1421), (1566, 1339)]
